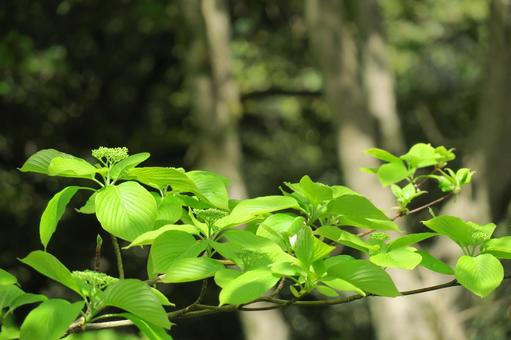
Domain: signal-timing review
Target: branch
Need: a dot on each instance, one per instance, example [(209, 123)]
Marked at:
[(118, 256), (409, 212), (198, 310)]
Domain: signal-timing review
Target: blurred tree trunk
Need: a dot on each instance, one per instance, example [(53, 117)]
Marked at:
[(216, 105), (488, 150), (359, 97)]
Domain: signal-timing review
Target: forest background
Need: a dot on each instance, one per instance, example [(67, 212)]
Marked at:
[(263, 92)]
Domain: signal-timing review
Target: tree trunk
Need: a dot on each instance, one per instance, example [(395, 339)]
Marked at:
[(217, 109), (344, 79)]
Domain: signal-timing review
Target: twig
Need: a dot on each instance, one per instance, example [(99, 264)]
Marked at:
[(409, 212), (118, 256)]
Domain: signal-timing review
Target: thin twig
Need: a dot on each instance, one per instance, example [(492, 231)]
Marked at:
[(118, 256), (409, 212)]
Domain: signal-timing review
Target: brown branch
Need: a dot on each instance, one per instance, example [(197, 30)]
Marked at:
[(198, 310), (279, 92)]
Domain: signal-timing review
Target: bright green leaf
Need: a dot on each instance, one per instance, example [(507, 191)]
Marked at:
[(170, 210), (499, 247), (364, 275), (410, 239), (247, 287), (53, 213), (403, 258), (434, 264), (160, 177), (481, 274), (50, 320), (8, 294), (149, 237), (393, 172), (458, 230), (224, 276), (121, 168), (40, 161), (90, 206), (342, 285), (249, 209), (50, 266), (346, 238), (382, 155), (173, 245), (359, 212), (421, 155), (212, 187), (191, 269), (151, 331), (7, 278), (126, 210), (136, 297), (71, 167)]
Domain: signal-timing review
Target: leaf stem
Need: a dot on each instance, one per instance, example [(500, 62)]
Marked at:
[(118, 256)]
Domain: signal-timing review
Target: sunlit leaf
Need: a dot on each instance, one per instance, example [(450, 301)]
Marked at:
[(126, 210), (247, 287), (50, 320), (136, 297), (481, 274)]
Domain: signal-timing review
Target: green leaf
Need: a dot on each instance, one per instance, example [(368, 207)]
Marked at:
[(458, 230), (8, 294), (26, 299), (173, 245), (160, 177), (279, 227), (393, 172), (312, 191), (434, 264), (170, 210), (342, 285), (136, 297), (126, 210), (191, 269), (249, 209), (421, 155), (149, 237), (121, 168), (326, 291), (224, 276), (403, 258), (53, 213), (40, 161), (309, 249), (211, 187), (90, 206), (48, 265), (71, 167), (410, 239), (382, 155), (499, 247), (247, 287), (364, 275), (481, 274), (245, 241), (50, 320), (151, 331), (359, 212), (346, 238), (7, 278)]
